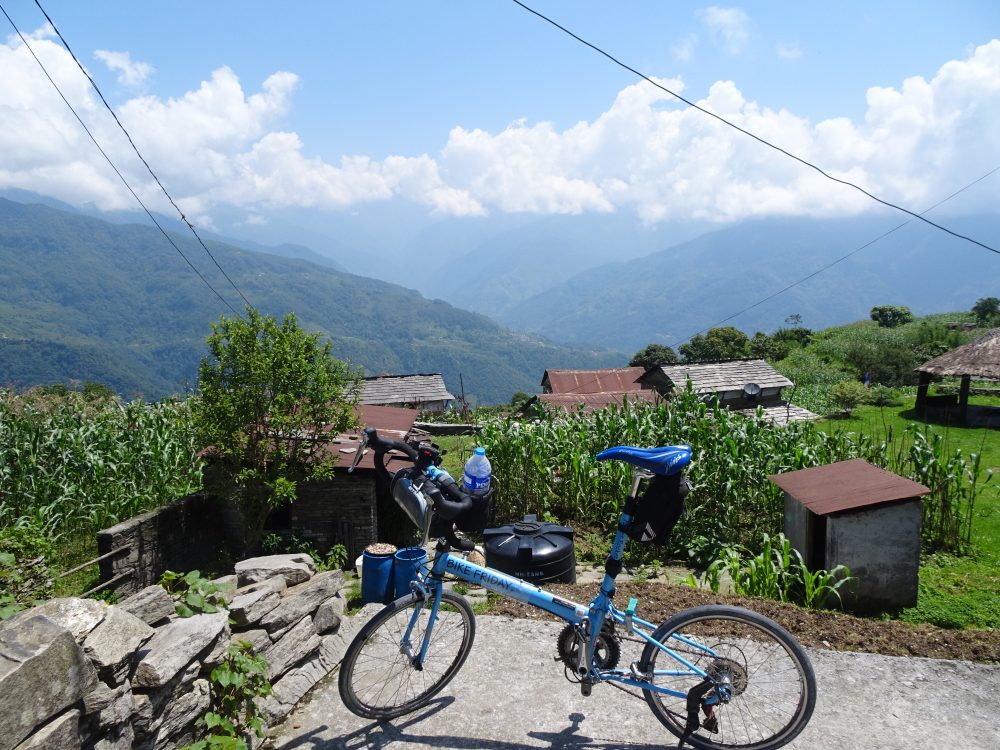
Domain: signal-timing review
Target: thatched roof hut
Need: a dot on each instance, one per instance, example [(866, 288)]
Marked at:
[(978, 359)]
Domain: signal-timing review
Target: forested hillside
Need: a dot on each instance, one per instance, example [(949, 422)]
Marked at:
[(83, 299), (670, 295)]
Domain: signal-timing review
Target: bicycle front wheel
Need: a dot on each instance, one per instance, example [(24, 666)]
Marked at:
[(381, 676), (764, 673)]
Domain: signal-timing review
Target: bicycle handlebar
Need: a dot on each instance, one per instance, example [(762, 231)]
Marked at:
[(449, 503)]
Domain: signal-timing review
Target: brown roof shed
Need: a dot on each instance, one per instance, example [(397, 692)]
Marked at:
[(846, 485)]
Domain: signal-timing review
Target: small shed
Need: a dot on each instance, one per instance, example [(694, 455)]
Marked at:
[(350, 509), (855, 514)]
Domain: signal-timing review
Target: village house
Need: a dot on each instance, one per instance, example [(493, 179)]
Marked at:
[(424, 391), (593, 389), (742, 385)]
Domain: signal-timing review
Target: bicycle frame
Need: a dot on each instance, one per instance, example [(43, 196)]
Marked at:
[(445, 562)]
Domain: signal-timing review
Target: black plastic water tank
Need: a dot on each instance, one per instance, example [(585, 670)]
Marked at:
[(532, 551)]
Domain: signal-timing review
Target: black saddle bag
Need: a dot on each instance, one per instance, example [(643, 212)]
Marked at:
[(659, 508)]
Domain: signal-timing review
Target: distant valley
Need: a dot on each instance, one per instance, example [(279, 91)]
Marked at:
[(85, 299)]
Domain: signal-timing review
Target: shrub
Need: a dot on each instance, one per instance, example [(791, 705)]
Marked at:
[(653, 355), (848, 395)]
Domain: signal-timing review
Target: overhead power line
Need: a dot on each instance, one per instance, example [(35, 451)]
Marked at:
[(108, 159), (136, 149), (818, 271), (757, 138)]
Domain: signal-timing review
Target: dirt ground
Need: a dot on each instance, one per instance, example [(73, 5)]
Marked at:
[(817, 629)]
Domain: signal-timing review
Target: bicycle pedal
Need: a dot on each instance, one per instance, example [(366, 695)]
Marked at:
[(585, 688)]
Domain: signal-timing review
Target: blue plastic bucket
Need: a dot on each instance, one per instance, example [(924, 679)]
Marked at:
[(376, 578), (407, 565)]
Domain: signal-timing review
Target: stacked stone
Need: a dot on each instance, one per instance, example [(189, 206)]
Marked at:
[(80, 674)]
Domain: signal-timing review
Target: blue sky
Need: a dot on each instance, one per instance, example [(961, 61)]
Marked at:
[(478, 107)]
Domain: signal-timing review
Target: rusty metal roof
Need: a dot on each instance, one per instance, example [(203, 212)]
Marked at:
[(391, 422), (610, 380), (592, 401), (718, 377), (404, 389), (846, 485)]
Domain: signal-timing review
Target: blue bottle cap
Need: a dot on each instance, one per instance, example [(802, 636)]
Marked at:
[(480, 451)]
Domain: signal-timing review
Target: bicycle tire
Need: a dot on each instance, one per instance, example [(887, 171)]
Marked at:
[(378, 680), (757, 655)]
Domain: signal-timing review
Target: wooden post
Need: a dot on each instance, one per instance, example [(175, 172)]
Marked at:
[(922, 386), (963, 399)]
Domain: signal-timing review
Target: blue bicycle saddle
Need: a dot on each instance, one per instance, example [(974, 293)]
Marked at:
[(664, 461)]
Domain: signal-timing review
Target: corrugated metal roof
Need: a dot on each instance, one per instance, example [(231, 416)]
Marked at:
[(846, 485), (979, 359), (716, 377), (591, 401), (391, 422), (404, 389), (610, 380), (782, 414)]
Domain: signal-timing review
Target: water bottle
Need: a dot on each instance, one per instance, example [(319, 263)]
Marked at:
[(476, 478)]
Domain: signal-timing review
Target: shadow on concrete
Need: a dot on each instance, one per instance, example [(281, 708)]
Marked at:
[(381, 734)]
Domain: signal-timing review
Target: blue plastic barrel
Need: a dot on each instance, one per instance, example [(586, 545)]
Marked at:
[(407, 565), (376, 578)]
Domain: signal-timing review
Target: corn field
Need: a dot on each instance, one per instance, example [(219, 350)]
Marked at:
[(547, 467), (69, 466)]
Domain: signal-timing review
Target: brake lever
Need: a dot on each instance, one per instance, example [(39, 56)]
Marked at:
[(362, 449)]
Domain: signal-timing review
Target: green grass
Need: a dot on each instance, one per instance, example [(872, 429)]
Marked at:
[(456, 449), (958, 592)]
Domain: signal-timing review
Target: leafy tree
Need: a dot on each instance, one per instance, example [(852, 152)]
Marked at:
[(890, 316), (270, 395), (718, 344), (768, 347), (519, 399), (653, 355), (986, 309)]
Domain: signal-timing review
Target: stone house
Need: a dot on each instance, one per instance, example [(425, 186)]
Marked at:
[(425, 391)]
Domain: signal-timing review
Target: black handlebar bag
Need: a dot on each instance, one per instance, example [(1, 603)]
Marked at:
[(658, 509)]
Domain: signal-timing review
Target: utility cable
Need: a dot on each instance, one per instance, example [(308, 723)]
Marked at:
[(723, 120), (838, 260), (141, 157), (814, 273), (108, 159)]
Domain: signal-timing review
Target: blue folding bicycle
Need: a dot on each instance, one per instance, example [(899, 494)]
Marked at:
[(715, 676)]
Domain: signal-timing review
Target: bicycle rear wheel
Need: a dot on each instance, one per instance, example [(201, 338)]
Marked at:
[(378, 676), (769, 676)]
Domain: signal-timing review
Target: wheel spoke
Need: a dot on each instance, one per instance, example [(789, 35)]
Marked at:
[(379, 680), (768, 675)]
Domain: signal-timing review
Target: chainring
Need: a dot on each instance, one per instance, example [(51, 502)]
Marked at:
[(607, 651)]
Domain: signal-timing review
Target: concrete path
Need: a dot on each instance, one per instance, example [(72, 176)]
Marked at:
[(511, 694)]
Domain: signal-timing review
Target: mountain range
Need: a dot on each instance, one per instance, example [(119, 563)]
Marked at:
[(87, 299)]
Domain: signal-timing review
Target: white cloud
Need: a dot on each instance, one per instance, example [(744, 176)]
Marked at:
[(683, 49), (131, 75), (731, 26), (788, 51), (219, 144)]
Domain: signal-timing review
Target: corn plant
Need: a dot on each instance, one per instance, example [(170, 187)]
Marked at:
[(547, 467), (70, 467), (777, 572)]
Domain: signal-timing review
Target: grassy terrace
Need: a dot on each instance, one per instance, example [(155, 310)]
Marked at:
[(954, 591)]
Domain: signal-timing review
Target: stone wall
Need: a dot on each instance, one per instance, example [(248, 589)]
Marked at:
[(336, 511), (80, 674), (185, 535)]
